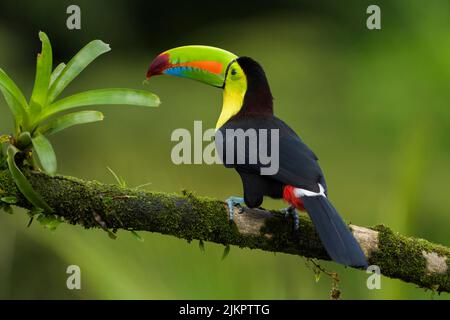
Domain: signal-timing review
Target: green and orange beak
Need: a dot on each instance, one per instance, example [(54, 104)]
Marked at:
[(202, 63)]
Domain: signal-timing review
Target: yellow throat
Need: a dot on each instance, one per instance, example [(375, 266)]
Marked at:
[(233, 99)]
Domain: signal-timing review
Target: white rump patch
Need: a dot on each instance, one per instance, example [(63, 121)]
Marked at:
[(306, 193)]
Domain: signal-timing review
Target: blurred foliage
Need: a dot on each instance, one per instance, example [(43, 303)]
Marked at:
[(374, 106)]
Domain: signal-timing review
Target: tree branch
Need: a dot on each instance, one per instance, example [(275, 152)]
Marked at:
[(93, 204)]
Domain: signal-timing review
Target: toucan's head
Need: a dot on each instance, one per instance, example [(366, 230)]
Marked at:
[(246, 90)]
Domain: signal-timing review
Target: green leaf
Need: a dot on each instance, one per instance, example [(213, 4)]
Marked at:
[(113, 96), (77, 64), (22, 183), (70, 120), (14, 98), (8, 84), (55, 74), (120, 181), (43, 72), (45, 153), (9, 200), (14, 107)]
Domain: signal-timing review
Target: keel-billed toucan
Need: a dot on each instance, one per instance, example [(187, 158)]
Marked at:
[(248, 104)]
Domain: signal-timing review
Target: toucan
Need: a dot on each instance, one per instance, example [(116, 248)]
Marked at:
[(248, 104)]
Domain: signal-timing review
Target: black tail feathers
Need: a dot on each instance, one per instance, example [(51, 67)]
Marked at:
[(336, 237)]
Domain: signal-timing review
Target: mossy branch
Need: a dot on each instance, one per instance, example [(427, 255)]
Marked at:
[(93, 204)]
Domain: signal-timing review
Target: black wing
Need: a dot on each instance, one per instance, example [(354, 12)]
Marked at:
[(298, 164)]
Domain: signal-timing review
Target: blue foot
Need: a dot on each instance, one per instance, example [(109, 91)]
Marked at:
[(231, 202), (291, 211)]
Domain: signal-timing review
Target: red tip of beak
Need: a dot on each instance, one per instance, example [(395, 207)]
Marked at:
[(158, 65)]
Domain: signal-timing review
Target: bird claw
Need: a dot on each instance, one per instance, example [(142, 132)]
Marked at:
[(231, 202), (291, 211)]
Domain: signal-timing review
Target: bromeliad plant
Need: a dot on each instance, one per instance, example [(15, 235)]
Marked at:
[(38, 118)]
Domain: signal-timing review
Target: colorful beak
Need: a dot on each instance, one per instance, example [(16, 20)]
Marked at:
[(202, 63)]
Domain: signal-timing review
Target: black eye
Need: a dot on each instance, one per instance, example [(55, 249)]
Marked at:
[(233, 72)]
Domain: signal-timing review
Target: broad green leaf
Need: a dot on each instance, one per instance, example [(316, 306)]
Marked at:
[(117, 96), (56, 73), (22, 183), (70, 120), (14, 97), (45, 153), (43, 72), (77, 64), (14, 107), (8, 84)]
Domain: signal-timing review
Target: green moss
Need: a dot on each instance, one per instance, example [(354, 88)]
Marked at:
[(402, 257)]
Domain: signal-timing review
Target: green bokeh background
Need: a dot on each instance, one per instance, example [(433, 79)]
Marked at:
[(374, 105)]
